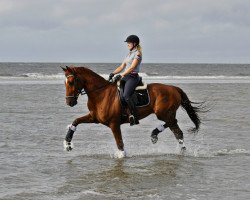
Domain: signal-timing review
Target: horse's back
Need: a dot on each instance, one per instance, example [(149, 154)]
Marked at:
[(162, 93), (162, 88)]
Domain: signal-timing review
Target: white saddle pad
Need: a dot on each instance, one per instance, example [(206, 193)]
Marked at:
[(141, 87)]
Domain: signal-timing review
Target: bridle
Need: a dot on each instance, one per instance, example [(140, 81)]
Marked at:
[(80, 91)]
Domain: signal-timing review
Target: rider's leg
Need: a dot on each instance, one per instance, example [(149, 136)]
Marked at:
[(122, 83), (129, 88), (133, 117)]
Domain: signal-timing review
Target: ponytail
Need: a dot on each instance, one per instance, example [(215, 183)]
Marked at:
[(139, 48)]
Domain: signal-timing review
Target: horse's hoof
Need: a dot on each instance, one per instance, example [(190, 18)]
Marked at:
[(154, 138), (183, 149), (68, 146), (120, 154)]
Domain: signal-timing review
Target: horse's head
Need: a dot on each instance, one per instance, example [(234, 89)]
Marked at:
[(72, 85)]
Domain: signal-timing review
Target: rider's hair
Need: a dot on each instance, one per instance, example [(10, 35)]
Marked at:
[(139, 48)]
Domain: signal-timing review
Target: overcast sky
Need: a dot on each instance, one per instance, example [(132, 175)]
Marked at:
[(171, 31)]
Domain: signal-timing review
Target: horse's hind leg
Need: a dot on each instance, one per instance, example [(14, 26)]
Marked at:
[(163, 116), (156, 131), (171, 122), (173, 127), (178, 134)]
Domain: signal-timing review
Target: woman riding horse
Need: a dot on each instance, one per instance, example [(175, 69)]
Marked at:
[(164, 102), (129, 77)]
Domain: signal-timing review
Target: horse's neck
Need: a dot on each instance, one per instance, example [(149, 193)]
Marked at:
[(92, 80)]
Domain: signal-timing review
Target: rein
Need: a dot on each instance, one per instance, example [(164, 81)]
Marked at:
[(81, 91)]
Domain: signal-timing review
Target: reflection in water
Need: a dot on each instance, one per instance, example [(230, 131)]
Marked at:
[(117, 171), (136, 176)]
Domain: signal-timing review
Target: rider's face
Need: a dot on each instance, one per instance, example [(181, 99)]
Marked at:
[(130, 45)]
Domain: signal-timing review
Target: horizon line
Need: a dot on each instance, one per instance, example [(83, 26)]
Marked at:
[(81, 62)]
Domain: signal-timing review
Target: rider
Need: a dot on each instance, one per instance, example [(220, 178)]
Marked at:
[(129, 77)]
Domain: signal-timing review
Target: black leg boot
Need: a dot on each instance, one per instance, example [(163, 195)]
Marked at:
[(67, 142), (133, 119)]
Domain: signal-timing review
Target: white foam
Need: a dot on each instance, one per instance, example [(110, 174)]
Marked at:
[(42, 76), (231, 152), (144, 75), (200, 77), (92, 192), (219, 77), (146, 78), (107, 75)]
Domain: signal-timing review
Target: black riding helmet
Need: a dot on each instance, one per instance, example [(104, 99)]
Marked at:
[(133, 39)]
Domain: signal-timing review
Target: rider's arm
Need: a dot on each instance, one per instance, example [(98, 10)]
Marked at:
[(120, 68)]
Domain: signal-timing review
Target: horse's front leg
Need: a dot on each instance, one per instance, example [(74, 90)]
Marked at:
[(116, 129), (72, 128)]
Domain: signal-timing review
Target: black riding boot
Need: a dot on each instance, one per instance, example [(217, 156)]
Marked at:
[(133, 118)]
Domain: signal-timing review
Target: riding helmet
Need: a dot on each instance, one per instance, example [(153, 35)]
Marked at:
[(133, 39)]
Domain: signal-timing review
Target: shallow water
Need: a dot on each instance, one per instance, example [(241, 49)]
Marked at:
[(35, 166)]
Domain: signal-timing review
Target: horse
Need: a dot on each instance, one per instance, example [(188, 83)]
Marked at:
[(105, 108)]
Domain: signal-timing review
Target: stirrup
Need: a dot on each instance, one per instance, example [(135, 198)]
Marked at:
[(133, 120)]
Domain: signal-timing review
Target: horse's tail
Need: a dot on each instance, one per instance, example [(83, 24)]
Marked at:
[(191, 110)]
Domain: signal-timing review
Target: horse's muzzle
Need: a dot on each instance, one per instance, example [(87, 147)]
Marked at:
[(71, 101)]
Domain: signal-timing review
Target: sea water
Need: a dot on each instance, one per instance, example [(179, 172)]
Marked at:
[(34, 118)]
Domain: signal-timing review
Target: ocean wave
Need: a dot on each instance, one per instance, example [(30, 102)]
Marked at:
[(30, 78), (143, 75), (222, 152), (43, 76), (6, 75), (206, 153), (221, 77)]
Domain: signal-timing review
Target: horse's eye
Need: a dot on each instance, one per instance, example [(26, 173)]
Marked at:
[(71, 83)]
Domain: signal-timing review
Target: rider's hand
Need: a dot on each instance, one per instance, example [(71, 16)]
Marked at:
[(117, 78), (111, 76)]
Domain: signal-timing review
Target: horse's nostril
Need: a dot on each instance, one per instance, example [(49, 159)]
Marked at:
[(71, 103)]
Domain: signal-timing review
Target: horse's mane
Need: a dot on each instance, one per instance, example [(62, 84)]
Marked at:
[(88, 72)]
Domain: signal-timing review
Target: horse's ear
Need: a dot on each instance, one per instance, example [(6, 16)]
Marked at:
[(69, 69), (63, 68)]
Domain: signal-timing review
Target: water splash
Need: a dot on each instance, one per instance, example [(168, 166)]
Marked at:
[(223, 152)]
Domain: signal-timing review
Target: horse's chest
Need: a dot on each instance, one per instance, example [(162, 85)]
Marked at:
[(99, 112)]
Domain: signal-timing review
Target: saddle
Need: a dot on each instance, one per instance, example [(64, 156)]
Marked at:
[(140, 97)]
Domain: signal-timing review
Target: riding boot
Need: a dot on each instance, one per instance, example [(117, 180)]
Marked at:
[(133, 118)]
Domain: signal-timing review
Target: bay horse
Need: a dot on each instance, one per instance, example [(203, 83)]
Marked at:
[(105, 108)]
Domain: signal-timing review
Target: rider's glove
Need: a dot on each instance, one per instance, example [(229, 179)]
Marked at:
[(117, 78), (111, 76)]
